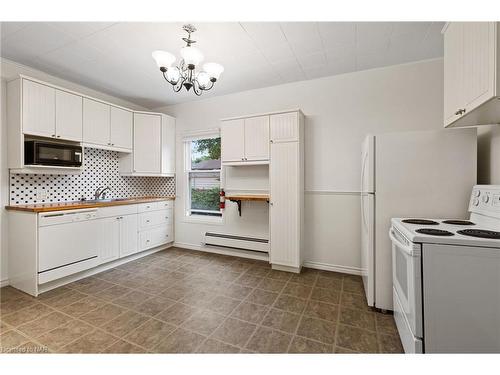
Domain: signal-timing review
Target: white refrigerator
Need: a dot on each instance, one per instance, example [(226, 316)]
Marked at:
[(410, 175)]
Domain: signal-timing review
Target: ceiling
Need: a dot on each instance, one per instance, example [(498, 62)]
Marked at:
[(115, 58)]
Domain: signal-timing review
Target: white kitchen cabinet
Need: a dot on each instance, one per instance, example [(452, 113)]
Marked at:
[(109, 239), (147, 143), (471, 73), (286, 181), (128, 235), (96, 122), (38, 109), (245, 141), (153, 146), (233, 140), (257, 138), (121, 128), (69, 121)]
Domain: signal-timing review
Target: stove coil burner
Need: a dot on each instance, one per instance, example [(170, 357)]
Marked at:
[(420, 221), (481, 233), (434, 232), (458, 222)]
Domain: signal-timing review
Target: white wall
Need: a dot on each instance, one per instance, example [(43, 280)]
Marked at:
[(489, 155), (10, 70), (340, 111)]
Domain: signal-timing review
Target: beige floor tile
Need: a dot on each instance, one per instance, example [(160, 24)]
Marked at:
[(279, 275), (303, 345), (150, 334), (204, 322), (112, 293), (390, 344), (341, 350), (289, 303), (234, 332), (266, 340), (102, 315), (250, 312), (357, 339), (354, 301), (317, 329), (44, 324), (123, 347), (222, 305), (248, 280), (216, 346), (16, 303), (281, 320), (306, 277), (154, 305), (328, 282), (235, 291), (271, 285), (180, 341), (358, 318), (177, 313), (82, 306), (297, 290), (353, 285), (132, 299), (64, 299), (11, 339), (26, 315), (125, 323), (31, 347), (326, 295), (65, 334), (321, 310), (94, 342), (262, 297), (386, 324)]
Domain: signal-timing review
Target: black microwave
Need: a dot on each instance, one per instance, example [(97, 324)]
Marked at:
[(52, 154)]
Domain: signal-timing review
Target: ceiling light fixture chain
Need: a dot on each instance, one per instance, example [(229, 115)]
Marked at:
[(184, 74)]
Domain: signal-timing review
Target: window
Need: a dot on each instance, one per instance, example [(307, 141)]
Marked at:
[(203, 167)]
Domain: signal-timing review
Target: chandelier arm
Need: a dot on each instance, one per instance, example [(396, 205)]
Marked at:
[(196, 88), (178, 86)]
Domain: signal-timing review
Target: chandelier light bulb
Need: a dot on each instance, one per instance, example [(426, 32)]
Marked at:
[(214, 70), (173, 74), (203, 79), (191, 55), (163, 59)]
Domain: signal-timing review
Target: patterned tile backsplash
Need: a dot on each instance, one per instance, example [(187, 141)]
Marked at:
[(100, 169)]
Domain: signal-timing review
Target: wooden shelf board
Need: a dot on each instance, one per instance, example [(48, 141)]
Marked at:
[(248, 197)]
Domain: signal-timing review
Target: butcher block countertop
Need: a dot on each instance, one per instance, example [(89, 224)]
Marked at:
[(60, 206)]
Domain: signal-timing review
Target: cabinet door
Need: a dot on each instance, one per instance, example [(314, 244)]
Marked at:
[(453, 71), (110, 239), (69, 121), (39, 109), (167, 144), (284, 127), (257, 138), (233, 140), (128, 235), (121, 128), (284, 207), (147, 143), (96, 122), (478, 63)]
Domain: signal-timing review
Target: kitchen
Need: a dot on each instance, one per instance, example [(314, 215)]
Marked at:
[(253, 219)]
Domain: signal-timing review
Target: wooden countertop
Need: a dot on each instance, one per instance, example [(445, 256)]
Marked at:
[(61, 206), (248, 197)]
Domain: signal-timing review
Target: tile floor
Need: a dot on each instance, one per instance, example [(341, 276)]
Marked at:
[(180, 301)]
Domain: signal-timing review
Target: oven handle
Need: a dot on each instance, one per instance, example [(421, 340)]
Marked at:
[(411, 249)]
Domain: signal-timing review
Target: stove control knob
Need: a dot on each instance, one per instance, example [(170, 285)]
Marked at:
[(477, 193), (486, 198), (475, 202)]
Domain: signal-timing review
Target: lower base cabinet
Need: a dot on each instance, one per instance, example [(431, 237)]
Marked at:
[(118, 237)]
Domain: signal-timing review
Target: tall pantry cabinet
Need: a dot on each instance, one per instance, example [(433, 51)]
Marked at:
[(286, 180)]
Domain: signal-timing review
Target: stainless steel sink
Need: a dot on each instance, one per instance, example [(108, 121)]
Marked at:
[(99, 200)]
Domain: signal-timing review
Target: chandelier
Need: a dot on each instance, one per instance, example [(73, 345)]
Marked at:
[(184, 74)]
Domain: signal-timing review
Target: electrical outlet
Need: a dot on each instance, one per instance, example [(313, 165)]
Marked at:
[(41, 194)]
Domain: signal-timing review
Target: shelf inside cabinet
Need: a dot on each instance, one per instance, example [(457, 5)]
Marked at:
[(238, 198)]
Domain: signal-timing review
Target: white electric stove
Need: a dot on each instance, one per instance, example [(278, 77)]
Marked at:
[(446, 279)]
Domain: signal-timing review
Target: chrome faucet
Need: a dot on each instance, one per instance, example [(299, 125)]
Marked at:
[(100, 192)]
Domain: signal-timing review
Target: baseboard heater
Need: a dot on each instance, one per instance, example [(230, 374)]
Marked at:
[(237, 242)]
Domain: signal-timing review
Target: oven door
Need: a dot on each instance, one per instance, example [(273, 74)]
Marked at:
[(407, 279), (58, 154)]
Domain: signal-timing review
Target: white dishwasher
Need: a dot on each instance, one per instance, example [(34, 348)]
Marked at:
[(66, 243)]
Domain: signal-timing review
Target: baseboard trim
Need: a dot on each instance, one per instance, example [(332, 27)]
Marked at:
[(333, 267), (4, 283), (223, 251)]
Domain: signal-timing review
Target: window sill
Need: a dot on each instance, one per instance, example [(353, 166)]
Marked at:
[(203, 220)]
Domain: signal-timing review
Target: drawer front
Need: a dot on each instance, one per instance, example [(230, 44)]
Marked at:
[(117, 210), (149, 219), (154, 206)]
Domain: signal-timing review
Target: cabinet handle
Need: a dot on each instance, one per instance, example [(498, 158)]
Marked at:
[(460, 112), (271, 203), (271, 141), (58, 136), (53, 135)]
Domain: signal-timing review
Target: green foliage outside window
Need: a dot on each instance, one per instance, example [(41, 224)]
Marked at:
[(205, 199), (209, 148)]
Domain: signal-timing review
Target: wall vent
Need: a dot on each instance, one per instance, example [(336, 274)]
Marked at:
[(237, 242)]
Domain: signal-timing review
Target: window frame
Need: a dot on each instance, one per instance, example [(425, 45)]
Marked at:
[(189, 213)]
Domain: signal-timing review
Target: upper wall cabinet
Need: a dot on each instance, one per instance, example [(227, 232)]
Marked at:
[(106, 126), (49, 112), (245, 141), (153, 146), (471, 73)]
